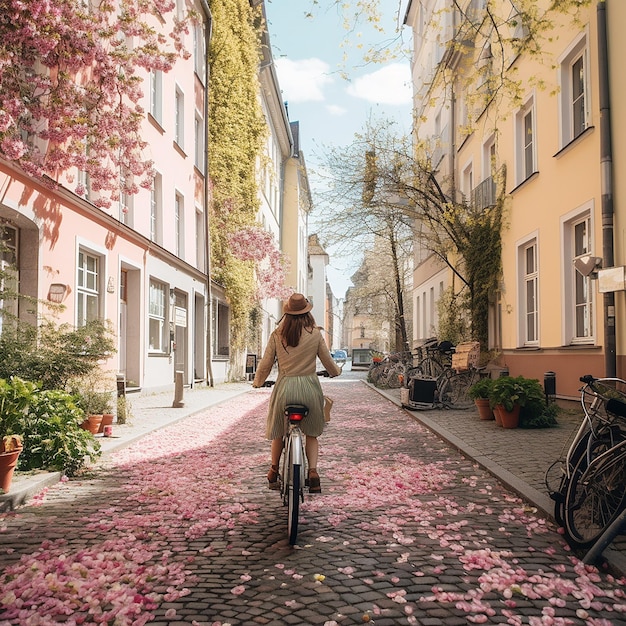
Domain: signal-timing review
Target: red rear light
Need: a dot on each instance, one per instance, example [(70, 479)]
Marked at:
[(296, 413)]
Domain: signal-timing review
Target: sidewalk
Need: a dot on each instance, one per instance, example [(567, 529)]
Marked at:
[(149, 412), (518, 458)]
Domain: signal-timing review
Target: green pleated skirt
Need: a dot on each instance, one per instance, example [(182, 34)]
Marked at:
[(296, 390)]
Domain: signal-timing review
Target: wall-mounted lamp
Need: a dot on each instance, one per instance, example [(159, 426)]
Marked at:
[(57, 292), (588, 265)]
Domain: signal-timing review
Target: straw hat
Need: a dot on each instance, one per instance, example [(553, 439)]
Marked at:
[(297, 305)]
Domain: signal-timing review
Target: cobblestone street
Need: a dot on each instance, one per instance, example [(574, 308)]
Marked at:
[(181, 527)]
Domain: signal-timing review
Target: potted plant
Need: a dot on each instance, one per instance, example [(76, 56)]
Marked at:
[(517, 398), (507, 397), (480, 392), (15, 398)]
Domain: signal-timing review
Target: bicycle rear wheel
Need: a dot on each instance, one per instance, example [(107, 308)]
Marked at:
[(454, 390), (429, 367), (293, 501), (595, 496)]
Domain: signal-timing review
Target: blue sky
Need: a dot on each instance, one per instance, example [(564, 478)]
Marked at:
[(308, 53)]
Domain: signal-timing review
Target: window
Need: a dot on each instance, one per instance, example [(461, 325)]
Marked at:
[(199, 51), (9, 275), (126, 203), (530, 308), (525, 142), (179, 225), (157, 316), (179, 108), (89, 288), (582, 284), (489, 157), (156, 95), (200, 238), (156, 209), (221, 325), (578, 289), (199, 141), (574, 92), (467, 182)]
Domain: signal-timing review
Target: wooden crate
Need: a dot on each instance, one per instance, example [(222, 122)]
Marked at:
[(466, 355)]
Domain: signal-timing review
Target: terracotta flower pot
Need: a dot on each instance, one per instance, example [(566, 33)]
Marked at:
[(510, 419), (92, 424), (496, 414), (107, 420), (484, 409), (8, 461)]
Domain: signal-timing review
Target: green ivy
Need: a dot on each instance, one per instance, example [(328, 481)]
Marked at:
[(237, 130)]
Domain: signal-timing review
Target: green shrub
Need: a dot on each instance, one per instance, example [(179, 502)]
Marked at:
[(49, 423), (481, 388), (528, 392), (52, 355)]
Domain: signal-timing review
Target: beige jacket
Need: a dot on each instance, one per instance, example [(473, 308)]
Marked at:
[(298, 361)]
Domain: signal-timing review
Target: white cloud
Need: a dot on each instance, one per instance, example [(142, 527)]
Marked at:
[(336, 110), (304, 80), (388, 85)]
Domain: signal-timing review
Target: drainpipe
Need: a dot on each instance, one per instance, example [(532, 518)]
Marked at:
[(606, 181), (207, 189)]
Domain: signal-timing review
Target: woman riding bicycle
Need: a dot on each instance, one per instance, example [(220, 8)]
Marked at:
[(295, 345)]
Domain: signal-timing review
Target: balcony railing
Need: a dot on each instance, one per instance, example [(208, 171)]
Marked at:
[(484, 194)]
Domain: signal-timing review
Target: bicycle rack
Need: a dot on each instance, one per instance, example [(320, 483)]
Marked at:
[(606, 538)]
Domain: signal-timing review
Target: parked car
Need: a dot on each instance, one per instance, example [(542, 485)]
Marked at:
[(340, 356)]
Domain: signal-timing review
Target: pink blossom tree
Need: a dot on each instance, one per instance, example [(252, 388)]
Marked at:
[(253, 243), (71, 80)]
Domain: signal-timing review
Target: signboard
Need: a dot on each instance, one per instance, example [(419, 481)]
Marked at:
[(180, 316), (611, 279), (251, 364)]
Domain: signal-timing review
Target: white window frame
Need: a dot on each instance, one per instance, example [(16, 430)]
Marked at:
[(467, 181), (89, 285), (199, 51), (156, 209), (489, 157), (156, 95), (158, 316), (525, 148), (221, 328), (574, 285), (528, 278), (9, 281), (579, 50), (199, 132), (179, 118), (179, 224)]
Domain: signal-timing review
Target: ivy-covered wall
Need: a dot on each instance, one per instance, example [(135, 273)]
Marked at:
[(235, 138)]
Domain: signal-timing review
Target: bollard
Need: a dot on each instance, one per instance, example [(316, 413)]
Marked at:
[(178, 391)]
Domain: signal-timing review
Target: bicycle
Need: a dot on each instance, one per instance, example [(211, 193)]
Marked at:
[(457, 372), (293, 471), (591, 491)]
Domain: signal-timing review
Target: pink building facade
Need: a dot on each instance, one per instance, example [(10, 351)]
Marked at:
[(142, 264)]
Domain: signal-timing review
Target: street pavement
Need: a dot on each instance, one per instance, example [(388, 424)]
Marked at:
[(426, 517)]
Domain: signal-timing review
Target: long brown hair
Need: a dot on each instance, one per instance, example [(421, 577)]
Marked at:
[(293, 325)]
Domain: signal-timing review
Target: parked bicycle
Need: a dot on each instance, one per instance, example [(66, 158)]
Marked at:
[(448, 371), (390, 372), (588, 485)]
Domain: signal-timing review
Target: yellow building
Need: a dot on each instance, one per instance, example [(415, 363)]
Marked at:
[(552, 120)]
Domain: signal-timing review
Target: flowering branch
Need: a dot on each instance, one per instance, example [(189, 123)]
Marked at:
[(70, 87), (253, 243)]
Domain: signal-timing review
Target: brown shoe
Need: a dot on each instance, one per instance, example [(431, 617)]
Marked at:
[(314, 482), (272, 478)]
